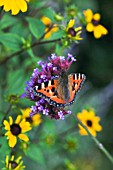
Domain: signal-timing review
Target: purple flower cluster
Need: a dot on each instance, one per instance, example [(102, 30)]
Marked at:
[(50, 69)]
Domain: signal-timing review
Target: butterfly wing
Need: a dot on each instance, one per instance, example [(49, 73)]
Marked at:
[(75, 82), (51, 90), (48, 91)]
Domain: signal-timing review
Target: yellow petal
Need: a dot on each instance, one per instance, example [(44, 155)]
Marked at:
[(23, 137), (96, 16), (25, 126), (48, 35), (78, 29), (88, 15), (2, 2), (96, 119), (12, 141), (82, 131), (22, 5), (18, 119), (20, 166), (70, 24), (46, 20), (7, 6), (10, 120), (89, 27), (14, 7), (8, 133), (18, 159), (103, 30), (91, 113), (78, 38), (7, 161), (6, 124), (97, 32), (36, 119), (97, 127), (26, 112), (78, 33), (12, 158), (54, 29), (92, 131)]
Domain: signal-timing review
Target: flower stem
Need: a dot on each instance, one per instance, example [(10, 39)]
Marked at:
[(4, 60), (100, 145)]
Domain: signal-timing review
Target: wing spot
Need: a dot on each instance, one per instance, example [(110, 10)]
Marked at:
[(47, 91), (46, 84), (39, 87), (73, 76), (52, 82), (53, 89)]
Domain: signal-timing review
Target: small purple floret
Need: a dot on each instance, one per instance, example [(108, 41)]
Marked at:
[(60, 114)]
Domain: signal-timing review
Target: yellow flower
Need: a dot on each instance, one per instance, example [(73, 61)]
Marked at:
[(13, 163), (91, 121), (16, 129), (50, 28), (14, 5), (93, 24), (35, 120), (73, 33)]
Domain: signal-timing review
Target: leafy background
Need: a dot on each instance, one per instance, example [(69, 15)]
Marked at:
[(56, 144)]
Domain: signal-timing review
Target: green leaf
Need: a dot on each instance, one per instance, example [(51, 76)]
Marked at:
[(11, 41), (35, 153), (20, 29), (16, 83), (38, 4), (36, 27), (57, 35), (4, 148), (7, 21)]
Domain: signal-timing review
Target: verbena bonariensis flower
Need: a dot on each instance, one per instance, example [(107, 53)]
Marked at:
[(51, 69)]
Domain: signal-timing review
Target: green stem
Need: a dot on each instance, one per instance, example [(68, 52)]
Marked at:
[(4, 60), (39, 42), (100, 145)]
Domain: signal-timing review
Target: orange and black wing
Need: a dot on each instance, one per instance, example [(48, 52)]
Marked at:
[(48, 91), (75, 82)]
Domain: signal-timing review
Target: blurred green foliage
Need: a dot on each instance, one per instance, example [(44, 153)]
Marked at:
[(56, 144)]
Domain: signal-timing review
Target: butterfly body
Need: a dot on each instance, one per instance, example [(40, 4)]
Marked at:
[(62, 87), (60, 91)]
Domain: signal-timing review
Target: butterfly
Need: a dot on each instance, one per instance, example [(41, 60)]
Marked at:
[(60, 91)]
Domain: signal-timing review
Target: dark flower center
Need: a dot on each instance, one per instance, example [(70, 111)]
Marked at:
[(13, 164), (15, 129), (89, 123), (95, 22), (29, 119), (72, 32)]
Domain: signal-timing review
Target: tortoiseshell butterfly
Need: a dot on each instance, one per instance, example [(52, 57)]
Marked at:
[(60, 91)]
